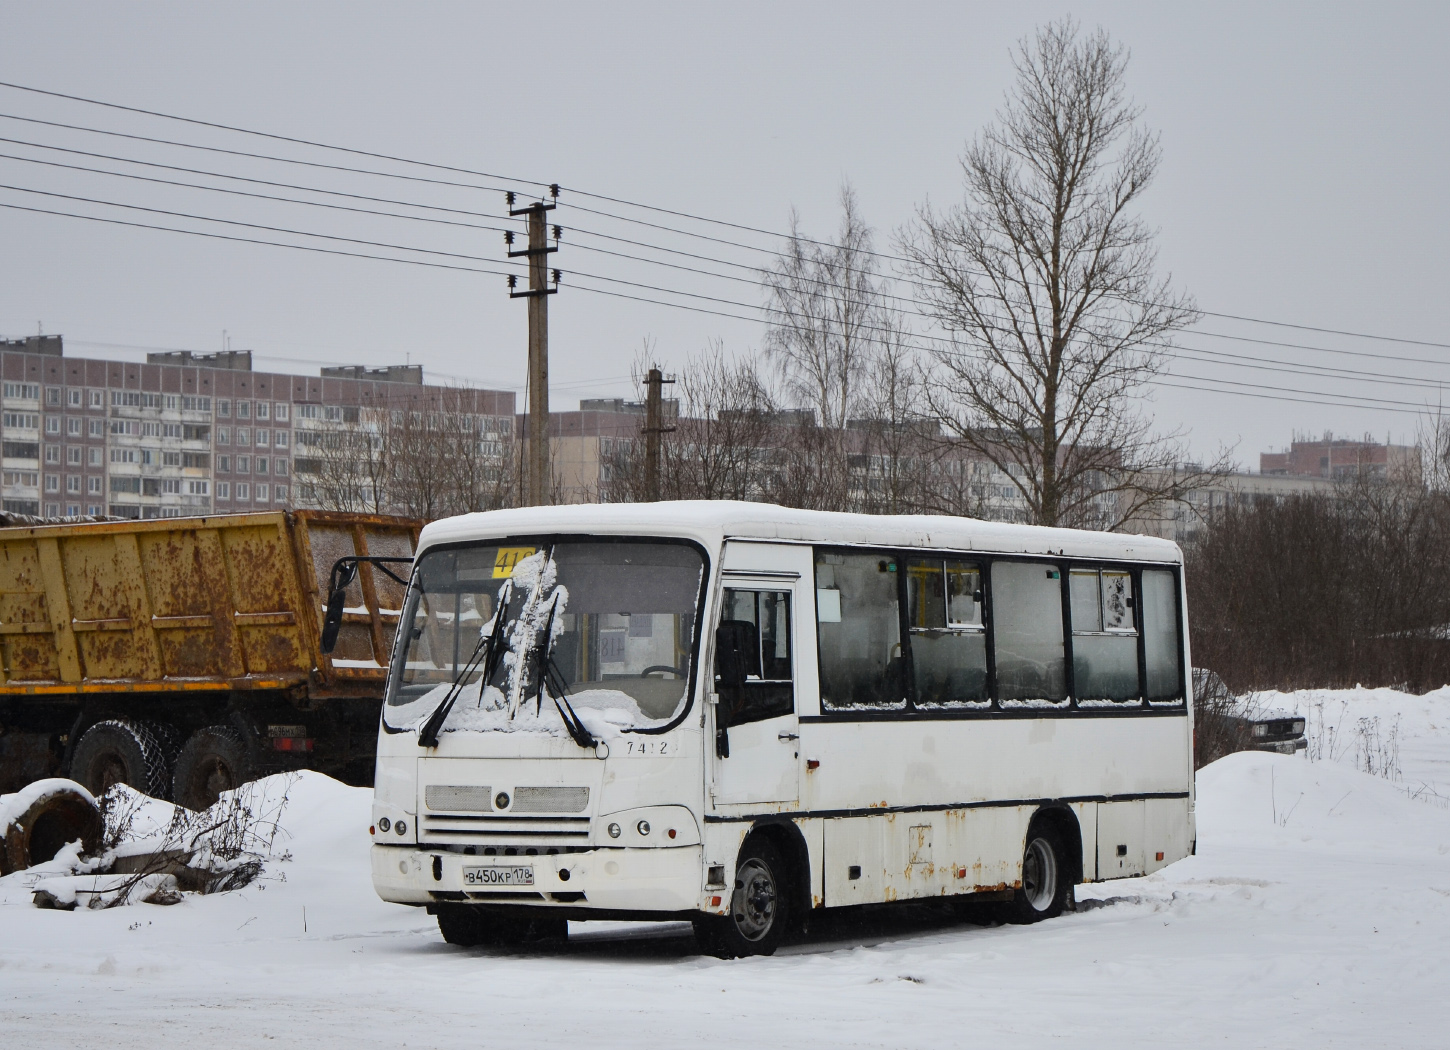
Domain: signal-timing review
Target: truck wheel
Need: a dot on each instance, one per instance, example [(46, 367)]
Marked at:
[(1045, 880), (212, 760), (120, 751), (759, 906)]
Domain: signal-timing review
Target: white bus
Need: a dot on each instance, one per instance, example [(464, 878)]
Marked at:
[(736, 714)]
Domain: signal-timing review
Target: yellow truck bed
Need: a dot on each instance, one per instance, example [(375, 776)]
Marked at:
[(224, 602)]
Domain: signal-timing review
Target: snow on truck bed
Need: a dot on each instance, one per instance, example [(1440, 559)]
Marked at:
[(1317, 913)]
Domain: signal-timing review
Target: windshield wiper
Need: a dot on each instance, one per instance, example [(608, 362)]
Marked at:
[(548, 676), (488, 652)]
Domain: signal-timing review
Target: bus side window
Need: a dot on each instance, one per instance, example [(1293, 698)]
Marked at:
[(758, 624), (1104, 635), (1027, 625), (1161, 642), (858, 630), (948, 643)]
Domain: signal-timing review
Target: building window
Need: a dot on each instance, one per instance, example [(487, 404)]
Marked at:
[(93, 486), (223, 435), (280, 415), (52, 424), (306, 412), (73, 426), (223, 490), (96, 428), (24, 391), (95, 456), (52, 510), (224, 464), (279, 467), (75, 398), (171, 459), (98, 399), (223, 408), (244, 437), (244, 410), (261, 493), (52, 395), (52, 453), (244, 464), (198, 488), (73, 455), (262, 464), (241, 491), (279, 493), (264, 409), (72, 510), (281, 439), (73, 483)]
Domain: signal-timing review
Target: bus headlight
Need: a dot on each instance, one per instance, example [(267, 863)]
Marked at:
[(614, 831), (642, 827)]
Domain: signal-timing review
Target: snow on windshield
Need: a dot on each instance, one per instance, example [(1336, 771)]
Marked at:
[(609, 624)]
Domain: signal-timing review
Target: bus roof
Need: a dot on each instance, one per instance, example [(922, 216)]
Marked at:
[(713, 521)]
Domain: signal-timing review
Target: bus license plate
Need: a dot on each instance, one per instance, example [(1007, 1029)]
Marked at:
[(511, 876)]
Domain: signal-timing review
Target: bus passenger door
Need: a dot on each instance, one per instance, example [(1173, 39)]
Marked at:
[(757, 731)]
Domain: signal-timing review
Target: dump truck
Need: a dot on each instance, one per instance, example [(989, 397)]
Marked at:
[(185, 656)]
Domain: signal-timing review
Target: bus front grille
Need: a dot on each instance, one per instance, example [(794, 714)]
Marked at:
[(499, 829)]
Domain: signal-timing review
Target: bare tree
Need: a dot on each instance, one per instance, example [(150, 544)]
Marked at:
[(425, 456), (1047, 282)]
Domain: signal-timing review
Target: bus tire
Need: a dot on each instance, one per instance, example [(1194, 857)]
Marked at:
[(759, 906), (120, 751), (212, 760), (1046, 882)]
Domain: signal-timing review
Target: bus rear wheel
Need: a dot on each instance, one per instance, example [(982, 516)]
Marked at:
[(759, 906), (1045, 880)]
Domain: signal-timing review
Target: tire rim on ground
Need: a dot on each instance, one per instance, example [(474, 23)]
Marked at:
[(1039, 874), (753, 905)]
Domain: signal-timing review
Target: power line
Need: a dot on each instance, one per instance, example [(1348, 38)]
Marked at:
[(1346, 400), (260, 134), (585, 193), (249, 225), (253, 156), (255, 196)]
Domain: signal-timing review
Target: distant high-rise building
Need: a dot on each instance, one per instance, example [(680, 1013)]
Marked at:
[(186, 433), (1331, 457)]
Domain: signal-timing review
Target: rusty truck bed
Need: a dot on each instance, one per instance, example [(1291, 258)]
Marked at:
[(219, 603)]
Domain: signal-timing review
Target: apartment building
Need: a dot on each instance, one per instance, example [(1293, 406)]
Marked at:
[(186, 433)]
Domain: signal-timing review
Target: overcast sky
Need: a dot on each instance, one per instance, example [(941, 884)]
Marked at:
[(1303, 180)]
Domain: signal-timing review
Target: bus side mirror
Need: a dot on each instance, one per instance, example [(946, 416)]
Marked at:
[(343, 573)]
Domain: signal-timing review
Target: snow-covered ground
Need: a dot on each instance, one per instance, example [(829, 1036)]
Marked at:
[(1317, 913)]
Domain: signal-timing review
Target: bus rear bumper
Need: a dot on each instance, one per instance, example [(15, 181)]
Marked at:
[(661, 879)]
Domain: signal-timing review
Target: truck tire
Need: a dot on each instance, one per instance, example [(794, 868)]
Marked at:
[(62, 815), (212, 760), (120, 751)]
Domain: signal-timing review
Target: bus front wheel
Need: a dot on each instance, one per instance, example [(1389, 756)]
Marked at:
[(1045, 879), (759, 906)]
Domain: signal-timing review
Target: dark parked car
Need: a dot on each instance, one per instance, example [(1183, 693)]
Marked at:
[(1225, 723)]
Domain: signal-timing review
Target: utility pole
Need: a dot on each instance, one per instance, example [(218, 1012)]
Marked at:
[(538, 474), (653, 427)]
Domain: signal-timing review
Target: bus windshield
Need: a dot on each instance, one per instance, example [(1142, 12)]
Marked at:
[(610, 626)]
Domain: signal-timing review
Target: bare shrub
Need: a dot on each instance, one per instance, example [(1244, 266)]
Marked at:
[(1326, 590)]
